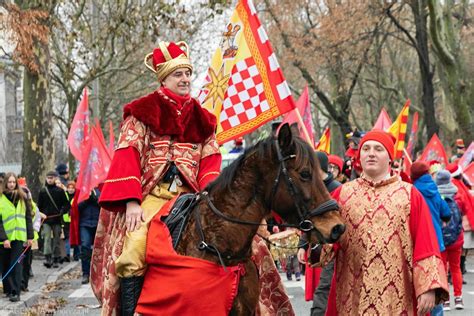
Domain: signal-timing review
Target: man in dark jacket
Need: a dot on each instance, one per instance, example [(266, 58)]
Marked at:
[(51, 202), (88, 219), (321, 293)]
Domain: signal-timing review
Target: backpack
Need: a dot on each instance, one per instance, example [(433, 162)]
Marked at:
[(454, 227)]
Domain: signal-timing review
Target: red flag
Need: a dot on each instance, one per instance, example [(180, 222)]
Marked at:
[(74, 235), (434, 151), (384, 121), (467, 157), (468, 173), (412, 138), (95, 164), (111, 139), (78, 133), (304, 107)]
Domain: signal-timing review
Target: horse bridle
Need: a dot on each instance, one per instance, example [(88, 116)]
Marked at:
[(305, 225), (304, 215)]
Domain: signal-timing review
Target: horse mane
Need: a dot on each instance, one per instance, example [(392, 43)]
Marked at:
[(263, 150)]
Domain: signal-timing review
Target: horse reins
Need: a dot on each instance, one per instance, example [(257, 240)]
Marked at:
[(304, 215)]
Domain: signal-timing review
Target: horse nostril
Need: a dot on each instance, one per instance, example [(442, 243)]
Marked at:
[(337, 231)]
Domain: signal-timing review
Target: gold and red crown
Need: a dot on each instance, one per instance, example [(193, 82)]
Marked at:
[(167, 58)]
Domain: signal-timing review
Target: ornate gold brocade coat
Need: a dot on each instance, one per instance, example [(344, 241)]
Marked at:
[(388, 255)]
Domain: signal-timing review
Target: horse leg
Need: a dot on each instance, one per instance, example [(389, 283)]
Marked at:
[(248, 293)]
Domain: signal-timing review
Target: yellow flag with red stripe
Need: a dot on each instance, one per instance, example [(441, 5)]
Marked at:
[(325, 142), (399, 129)]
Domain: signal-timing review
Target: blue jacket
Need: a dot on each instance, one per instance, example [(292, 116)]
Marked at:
[(439, 209)]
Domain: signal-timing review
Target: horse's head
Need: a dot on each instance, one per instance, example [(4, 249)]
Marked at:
[(296, 191)]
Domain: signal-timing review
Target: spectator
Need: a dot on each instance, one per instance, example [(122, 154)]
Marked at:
[(16, 231), (466, 199), (88, 218), (335, 167), (63, 171), (51, 202), (70, 192), (453, 236)]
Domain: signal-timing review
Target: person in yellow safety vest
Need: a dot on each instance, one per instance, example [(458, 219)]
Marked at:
[(16, 230), (66, 222)]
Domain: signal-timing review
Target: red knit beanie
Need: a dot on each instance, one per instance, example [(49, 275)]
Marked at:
[(418, 168), (382, 137), (336, 160)]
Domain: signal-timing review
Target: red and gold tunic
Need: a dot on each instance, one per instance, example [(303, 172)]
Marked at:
[(388, 255), (157, 130)]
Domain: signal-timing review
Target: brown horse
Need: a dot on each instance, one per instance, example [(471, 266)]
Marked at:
[(279, 174)]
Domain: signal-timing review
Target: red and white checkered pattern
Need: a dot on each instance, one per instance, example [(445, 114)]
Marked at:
[(244, 98)]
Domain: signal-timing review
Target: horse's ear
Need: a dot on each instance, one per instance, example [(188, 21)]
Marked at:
[(285, 136)]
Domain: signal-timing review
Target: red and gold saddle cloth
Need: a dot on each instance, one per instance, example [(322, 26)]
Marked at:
[(182, 285)]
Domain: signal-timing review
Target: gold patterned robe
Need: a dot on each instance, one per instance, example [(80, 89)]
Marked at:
[(388, 255)]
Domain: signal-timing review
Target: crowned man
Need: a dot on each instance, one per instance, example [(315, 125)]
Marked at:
[(166, 146)]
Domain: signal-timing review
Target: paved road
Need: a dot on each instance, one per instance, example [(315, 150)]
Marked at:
[(65, 295)]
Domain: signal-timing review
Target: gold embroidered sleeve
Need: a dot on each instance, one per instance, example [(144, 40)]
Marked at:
[(210, 147), (132, 133), (430, 274)]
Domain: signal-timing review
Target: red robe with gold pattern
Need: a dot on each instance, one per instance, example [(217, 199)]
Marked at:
[(157, 129), (388, 254)]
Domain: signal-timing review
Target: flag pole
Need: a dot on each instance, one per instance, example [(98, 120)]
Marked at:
[(303, 127), (407, 155)]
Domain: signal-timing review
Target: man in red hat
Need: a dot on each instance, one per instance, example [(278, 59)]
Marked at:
[(388, 260), (166, 146)]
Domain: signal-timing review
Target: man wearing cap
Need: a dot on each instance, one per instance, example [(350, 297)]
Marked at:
[(388, 260), (460, 149), (166, 146), (52, 202)]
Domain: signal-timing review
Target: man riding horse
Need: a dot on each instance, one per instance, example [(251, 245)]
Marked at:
[(167, 146)]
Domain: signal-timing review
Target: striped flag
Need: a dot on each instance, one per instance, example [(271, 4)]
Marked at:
[(325, 142), (399, 130), (245, 86)]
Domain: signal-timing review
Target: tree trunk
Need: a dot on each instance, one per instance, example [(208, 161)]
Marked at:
[(454, 73), (420, 13), (38, 139)]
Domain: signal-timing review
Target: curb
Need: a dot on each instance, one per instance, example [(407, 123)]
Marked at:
[(28, 299)]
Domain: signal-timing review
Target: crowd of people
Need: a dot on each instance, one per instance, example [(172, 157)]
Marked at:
[(368, 188), (404, 230), (42, 226)]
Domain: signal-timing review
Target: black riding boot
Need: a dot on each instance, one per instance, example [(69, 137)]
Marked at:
[(130, 289)]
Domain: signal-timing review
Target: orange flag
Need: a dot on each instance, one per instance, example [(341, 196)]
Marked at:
[(399, 130), (325, 142), (245, 86)]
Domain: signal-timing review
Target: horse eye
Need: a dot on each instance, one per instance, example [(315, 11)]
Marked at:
[(305, 175)]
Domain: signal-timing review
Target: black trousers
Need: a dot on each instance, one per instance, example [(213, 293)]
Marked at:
[(12, 283), (26, 262), (321, 293)]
